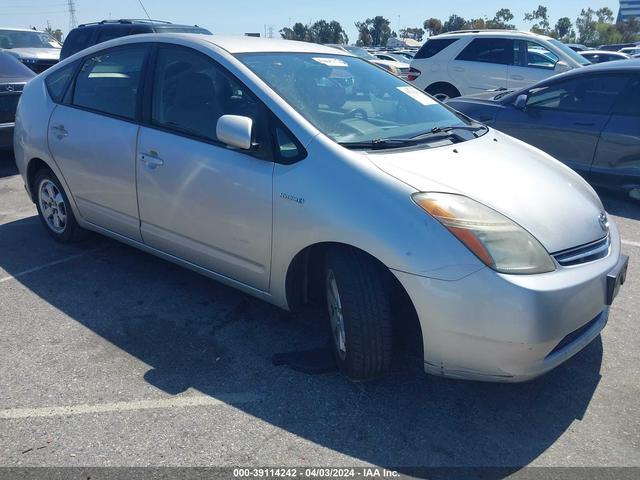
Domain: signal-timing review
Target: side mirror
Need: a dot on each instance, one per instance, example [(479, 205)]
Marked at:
[(521, 102), (561, 66), (235, 131)]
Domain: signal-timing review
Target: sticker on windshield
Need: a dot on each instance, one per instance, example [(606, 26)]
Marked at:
[(417, 95), (331, 62)]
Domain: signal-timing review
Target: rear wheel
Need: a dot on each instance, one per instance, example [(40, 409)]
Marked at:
[(443, 91), (358, 304), (54, 210)]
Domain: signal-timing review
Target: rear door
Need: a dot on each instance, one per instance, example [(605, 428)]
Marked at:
[(483, 64), (533, 63), (617, 160), (565, 118), (92, 137)]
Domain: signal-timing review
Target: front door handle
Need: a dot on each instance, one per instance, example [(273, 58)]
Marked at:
[(59, 131), (151, 160)]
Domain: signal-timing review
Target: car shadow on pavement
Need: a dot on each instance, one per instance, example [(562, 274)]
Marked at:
[(197, 333), (7, 164)]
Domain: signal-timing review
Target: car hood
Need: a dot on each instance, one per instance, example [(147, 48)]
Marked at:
[(523, 183), (40, 53)]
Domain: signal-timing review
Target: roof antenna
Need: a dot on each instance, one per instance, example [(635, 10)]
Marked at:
[(145, 10)]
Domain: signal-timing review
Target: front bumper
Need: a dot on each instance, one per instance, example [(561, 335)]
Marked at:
[(511, 328), (6, 135)]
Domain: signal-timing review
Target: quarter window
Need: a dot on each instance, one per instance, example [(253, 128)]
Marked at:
[(109, 82), (58, 81), (191, 92), (592, 94), (433, 47), (489, 50)]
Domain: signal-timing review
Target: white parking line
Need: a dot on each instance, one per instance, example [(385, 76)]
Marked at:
[(632, 244), (174, 402), (50, 264)]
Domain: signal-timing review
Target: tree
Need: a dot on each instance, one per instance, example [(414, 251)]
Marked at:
[(57, 33), (540, 16), (327, 32), (414, 33), (501, 20), (454, 23), (563, 28), (586, 25), (433, 26), (374, 31)]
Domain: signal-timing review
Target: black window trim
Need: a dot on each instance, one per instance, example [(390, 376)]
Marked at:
[(145, 65), (572, 78), (273, 154), (70, 84)]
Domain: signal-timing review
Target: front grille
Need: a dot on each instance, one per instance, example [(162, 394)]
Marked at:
[(575, 335), (8, 106), (584, 253), (41, 65)]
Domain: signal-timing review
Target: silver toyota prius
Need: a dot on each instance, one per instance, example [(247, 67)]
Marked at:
[(299, 174)]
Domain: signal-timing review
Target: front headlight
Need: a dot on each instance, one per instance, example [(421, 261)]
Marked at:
[(499, 242)]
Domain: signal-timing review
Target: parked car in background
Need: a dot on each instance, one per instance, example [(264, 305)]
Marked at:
[(393, 57), (630, 50), (602, 56), (13, 77), (577, 47), (471, 61), (235, 165), (400, 69), (37, 50), (615, 47), (587, 118), (90, 34)]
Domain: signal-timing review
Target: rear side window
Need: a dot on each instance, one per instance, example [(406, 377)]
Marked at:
[(58, 81), (591, 94), (434, 46), (489, 50), (109, 81), (629, 102), (78, 39)]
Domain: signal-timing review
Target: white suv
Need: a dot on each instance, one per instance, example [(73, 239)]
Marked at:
[(472, 61)]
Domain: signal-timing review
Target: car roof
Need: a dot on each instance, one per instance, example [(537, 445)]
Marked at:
[(243, 44), (601, 52), (21, 30)]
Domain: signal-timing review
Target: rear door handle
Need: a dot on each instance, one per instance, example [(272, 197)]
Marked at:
[(151, 160), (59, 131)]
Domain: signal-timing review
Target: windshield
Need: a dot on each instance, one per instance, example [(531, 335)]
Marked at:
[(349, 99), (360, 52), (570, 52), (26, 39)]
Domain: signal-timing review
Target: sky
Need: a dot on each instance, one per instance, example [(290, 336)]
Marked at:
[(225, 17)]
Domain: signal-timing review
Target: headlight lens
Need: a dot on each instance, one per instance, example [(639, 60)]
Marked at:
[(499, 242)]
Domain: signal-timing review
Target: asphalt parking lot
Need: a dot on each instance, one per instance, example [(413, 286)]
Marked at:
[(112, 357)]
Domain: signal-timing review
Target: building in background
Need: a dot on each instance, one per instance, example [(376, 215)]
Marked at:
[(629, 9)]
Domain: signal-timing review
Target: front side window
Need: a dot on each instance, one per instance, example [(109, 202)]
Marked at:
[(489, 50), (109, 81), (591, 94), (191, 92), (533, 55), (349, 99)]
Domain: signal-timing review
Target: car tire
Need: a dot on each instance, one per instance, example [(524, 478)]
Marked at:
[(54, 209), (358, 305), (443, 91)]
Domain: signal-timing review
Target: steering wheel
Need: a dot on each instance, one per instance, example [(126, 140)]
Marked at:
[(356, 113)]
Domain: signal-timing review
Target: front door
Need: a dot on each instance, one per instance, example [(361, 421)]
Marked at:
[(199, 200)]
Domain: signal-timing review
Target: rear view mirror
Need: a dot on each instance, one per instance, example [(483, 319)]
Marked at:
[(521, 102), (235, 131)]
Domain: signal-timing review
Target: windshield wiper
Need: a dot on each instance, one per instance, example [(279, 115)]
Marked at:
[(450, 132), (381, 143)]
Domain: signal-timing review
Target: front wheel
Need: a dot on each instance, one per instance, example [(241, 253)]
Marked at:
[(54, 210), (358, 304)]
